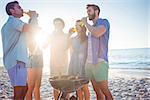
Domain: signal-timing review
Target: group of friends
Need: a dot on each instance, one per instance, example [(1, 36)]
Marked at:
[(23, 58)]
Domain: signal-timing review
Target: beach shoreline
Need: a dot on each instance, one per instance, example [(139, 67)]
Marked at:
[(124, 84)]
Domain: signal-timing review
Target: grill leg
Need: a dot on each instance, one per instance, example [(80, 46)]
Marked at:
[(62, 96), (74, 97), (59, 96)]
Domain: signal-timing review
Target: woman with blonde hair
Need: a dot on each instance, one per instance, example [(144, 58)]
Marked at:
[(78, 46)]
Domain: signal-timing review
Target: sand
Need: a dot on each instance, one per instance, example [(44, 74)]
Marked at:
[(124, 84)]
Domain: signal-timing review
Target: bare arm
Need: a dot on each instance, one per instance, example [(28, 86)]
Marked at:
[(32, 22), (69, 37), (95, 31)]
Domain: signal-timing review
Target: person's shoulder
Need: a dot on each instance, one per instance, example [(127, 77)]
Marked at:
[(3, 27), (16, 22), (12, 18), (104, 20), (6, 24), (9, 21)]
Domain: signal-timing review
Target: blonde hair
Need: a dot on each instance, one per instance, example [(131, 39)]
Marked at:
[(83, 36)]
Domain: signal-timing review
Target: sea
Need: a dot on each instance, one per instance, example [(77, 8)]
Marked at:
[(126, 58), (130, 58)]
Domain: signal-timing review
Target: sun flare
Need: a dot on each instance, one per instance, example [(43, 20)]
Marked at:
[(41, 39)]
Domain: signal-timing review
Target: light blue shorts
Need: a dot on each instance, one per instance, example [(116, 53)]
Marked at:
[(18, 75)]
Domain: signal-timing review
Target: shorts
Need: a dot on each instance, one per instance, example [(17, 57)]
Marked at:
[(97, 72), (18, 75), (35, 61)]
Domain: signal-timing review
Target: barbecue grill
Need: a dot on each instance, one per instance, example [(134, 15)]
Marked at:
[(67, 84)]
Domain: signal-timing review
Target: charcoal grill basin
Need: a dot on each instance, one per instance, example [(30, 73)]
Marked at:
[(67, 83)]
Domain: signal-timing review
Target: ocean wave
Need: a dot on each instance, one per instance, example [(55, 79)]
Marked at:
[(130, 63), (130, 68)]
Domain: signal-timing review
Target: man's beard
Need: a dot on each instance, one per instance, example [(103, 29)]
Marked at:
[(92, 16)]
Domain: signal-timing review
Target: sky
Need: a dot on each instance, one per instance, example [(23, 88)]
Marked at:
[(129, 19)]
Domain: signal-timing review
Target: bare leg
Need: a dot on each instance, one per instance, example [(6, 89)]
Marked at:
[(17, 93), (79, 94), (56, 94), (86, 92), (31, 83), (18, 90), (25, 89), (103, 85), (38, 83), (99, 93)]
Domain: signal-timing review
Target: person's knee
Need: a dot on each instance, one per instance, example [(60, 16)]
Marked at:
[(96, 90), (86, 91), (36, 89), (31, 87), (37, 85), (103, 84), (104, 87)]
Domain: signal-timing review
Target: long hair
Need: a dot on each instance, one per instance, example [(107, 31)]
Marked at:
[(82, 36)]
